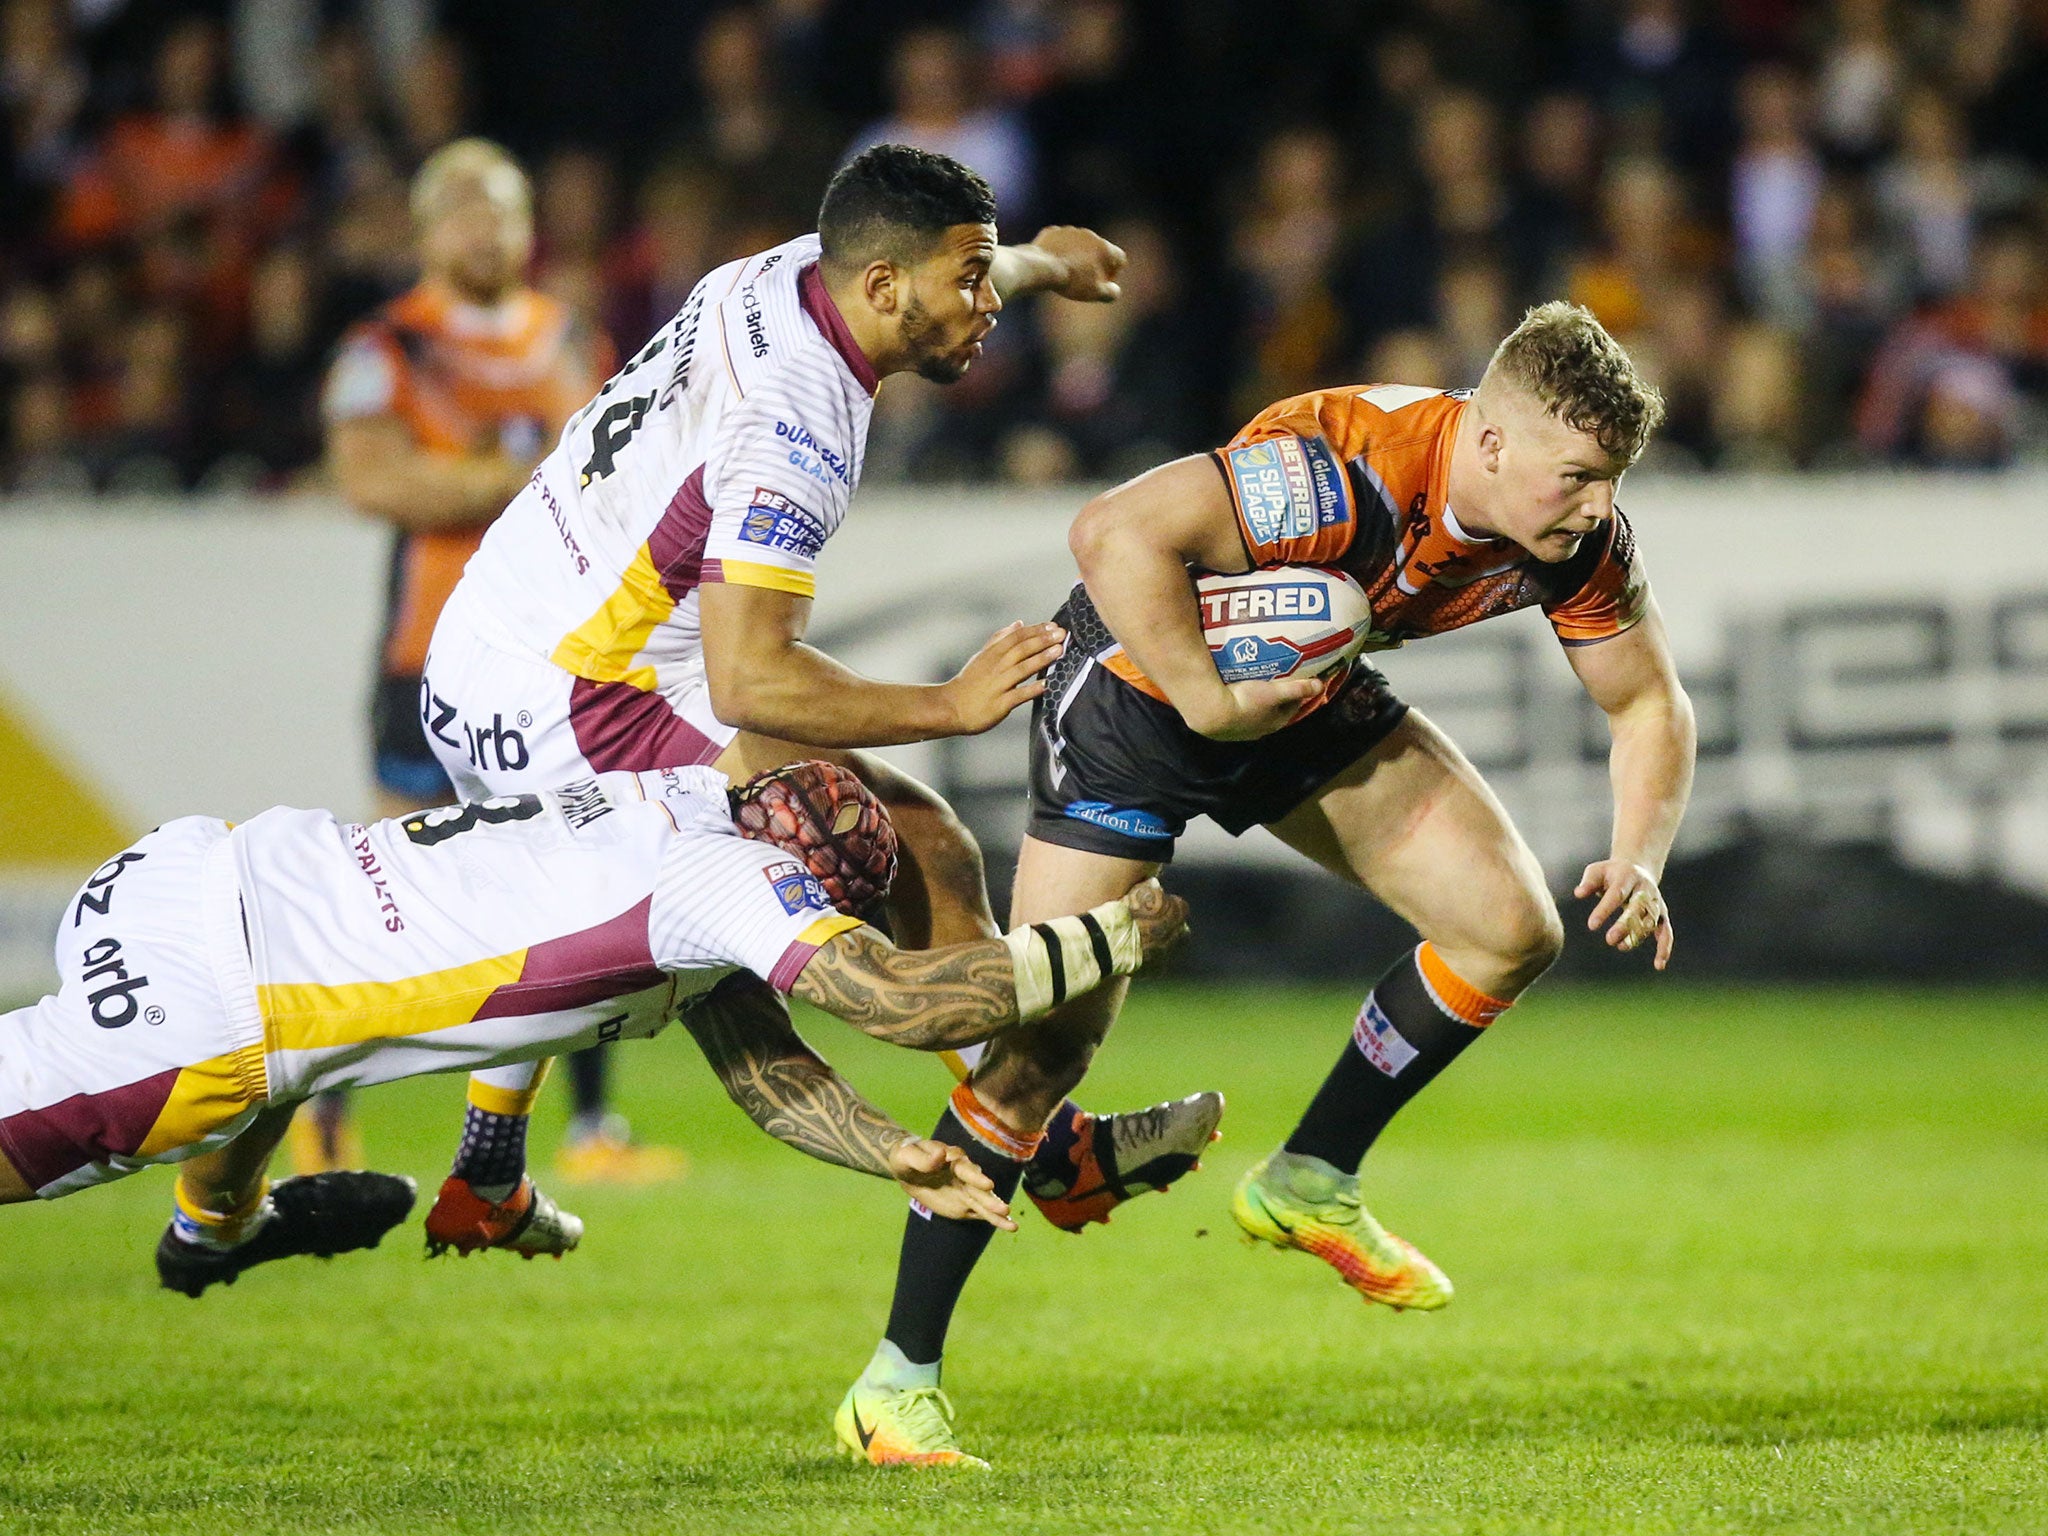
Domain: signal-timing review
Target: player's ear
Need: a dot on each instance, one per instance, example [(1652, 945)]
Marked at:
[(882, 284), (1491, 440)]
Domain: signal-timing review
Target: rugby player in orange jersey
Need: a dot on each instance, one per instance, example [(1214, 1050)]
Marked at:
[(1448, 508), (437, 407)]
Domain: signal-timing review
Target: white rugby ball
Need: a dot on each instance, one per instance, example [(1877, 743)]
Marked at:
[(1286, 621)]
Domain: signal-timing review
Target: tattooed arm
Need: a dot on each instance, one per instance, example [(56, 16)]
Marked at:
[(744, 1030), (962, 994)]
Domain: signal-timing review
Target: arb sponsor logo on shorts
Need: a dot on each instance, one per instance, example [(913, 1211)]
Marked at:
[(1384, 1045), (98, 895), (796, 887), (112, 1000)]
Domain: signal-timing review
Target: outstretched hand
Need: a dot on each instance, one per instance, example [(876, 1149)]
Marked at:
[(1002, 674), (1630, 898), (944, 1180)]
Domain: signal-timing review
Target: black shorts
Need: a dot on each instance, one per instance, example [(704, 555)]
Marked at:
[(1115, 771), (405, 762)]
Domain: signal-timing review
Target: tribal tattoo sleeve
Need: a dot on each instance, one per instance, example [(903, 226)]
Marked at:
[(924, 999), (743, 1028)]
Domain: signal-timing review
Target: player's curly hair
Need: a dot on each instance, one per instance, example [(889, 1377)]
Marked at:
[(893, 203), (1565, 358)]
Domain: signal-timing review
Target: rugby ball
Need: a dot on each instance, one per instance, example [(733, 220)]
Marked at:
[(1286, 621)]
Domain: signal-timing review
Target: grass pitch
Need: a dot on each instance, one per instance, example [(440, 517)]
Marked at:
[(1727, 1261)]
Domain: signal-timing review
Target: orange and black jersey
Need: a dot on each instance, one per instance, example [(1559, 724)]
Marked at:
[(1358, 479), (463, 380)]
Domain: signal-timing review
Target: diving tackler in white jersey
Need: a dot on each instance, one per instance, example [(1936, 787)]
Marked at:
[(215, 975)]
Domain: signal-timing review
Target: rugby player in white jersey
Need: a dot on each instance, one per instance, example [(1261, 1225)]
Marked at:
[(214, 976), (642, 603)]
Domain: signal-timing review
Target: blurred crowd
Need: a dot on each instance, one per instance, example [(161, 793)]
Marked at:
[(1817, 223)]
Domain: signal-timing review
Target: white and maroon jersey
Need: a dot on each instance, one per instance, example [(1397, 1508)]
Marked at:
[(508, 929), (727, 450)]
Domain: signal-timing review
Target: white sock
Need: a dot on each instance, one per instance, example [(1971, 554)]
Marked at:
[(892, 1369)]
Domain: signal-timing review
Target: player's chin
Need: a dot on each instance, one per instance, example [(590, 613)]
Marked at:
[(1555, 547), (949, 367)]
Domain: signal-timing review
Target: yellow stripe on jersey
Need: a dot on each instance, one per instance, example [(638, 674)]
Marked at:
[(604, 646), (306, 1016), (826, 929), (745, 573), (206, 1097)]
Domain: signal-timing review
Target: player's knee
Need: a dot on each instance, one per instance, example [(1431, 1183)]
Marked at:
[(1531, 938)]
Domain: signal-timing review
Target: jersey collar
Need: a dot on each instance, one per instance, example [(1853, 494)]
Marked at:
[(817, 303)]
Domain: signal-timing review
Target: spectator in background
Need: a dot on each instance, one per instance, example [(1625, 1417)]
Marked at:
[(367, 251), (1774, 186), (433, 99), (1642, 246), (1285, 248), (1860, 77), (1412, 356), (1755, 399), (1555, 211), (773, 149), (1091, 119), (185, 158), (1475, 308), (347, 140), (1854, 295), (267, 422), (573, 258), (42, 94), (1667, 84), (680, 233), (941, 104), (1931, 370), (41, 445), (1925, 197), (149, 449), (1119, 377)]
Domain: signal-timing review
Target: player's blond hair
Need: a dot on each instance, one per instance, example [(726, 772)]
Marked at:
[(1565, 358), (472, 161)]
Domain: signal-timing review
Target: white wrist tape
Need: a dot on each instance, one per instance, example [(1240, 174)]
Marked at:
[(1065, 957)]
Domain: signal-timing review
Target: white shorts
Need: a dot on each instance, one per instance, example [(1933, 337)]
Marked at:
[(503, 721), (152, 1049)]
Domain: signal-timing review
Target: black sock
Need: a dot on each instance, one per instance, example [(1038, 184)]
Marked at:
[(586, 1085), (492, 1156), (1403, 1038), (939, 1254)]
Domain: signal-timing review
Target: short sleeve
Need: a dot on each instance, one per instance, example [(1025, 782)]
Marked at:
[(1614, 596), (1293, 499), (363, 381), (723, 900), (778, 487)]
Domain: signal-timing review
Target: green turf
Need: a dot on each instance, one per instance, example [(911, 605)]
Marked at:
[(1727, 1261)]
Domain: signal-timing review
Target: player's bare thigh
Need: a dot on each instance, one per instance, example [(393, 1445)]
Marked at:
[(1414, 823), (1028, 1069), (941, 895)]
